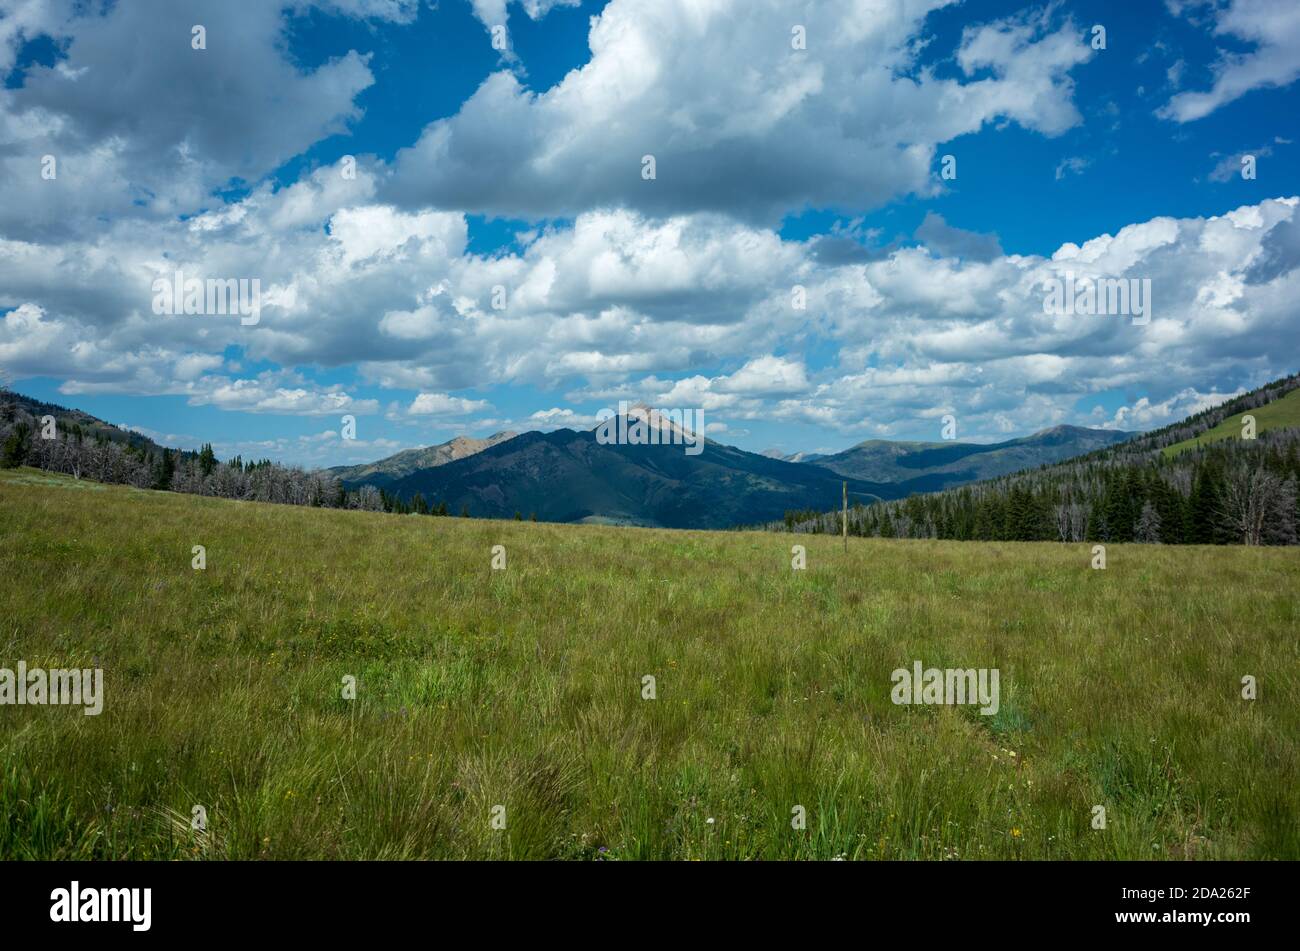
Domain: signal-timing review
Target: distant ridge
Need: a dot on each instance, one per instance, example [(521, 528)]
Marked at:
[(569, 476), (930, 466), (91, 426), (572, 476), (402, 464), (793, 456), (1207, 479)]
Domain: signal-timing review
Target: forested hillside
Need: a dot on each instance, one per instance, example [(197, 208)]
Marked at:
[(1225, 491), (82, 446)]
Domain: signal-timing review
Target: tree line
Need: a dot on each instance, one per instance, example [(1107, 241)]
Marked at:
[(104, 453), (1231, 491)]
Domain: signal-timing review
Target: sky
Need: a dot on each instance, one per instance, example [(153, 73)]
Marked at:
[(819, 222)]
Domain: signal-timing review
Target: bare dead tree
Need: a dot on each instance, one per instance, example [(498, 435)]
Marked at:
[(1249, 495)]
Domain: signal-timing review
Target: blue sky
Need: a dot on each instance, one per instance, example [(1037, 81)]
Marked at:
[(381, 170)]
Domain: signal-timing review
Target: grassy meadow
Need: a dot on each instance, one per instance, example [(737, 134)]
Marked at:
[(1279, 414), (522, 688)]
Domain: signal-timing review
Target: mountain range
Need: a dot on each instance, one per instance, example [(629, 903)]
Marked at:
[(930, 466), (570, 476), (386, 471)]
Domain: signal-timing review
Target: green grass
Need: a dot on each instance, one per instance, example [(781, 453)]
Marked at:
[(1278, 414), (522, 688)]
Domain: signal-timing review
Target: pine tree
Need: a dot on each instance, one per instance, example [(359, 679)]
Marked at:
[(1169, 507), (14, 451), (986, 518), (1202, 506), (1117, 510), (165, 470)]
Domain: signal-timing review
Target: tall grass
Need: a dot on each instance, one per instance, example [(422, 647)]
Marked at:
[(523, 688)]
